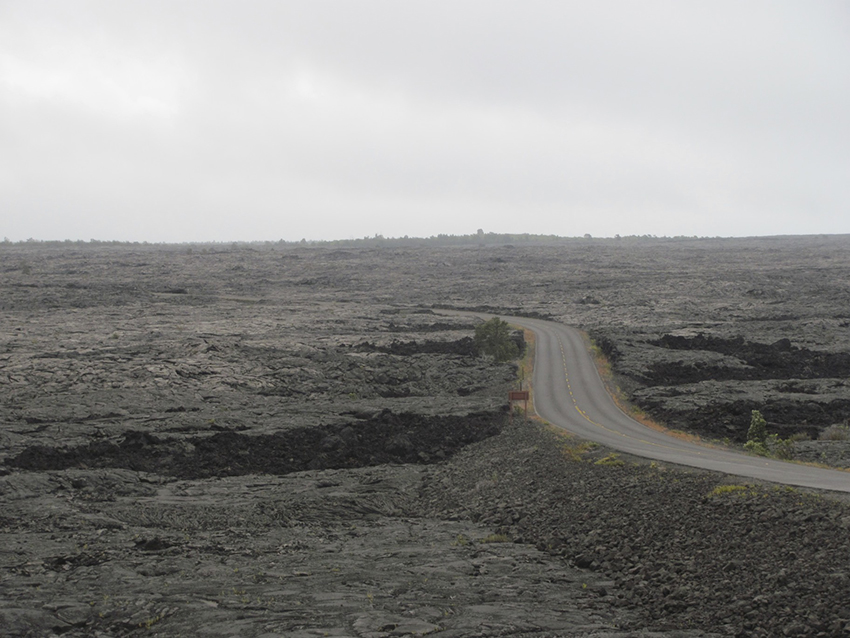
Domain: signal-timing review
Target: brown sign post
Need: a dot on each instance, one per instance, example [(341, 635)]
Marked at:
[(518, 395)]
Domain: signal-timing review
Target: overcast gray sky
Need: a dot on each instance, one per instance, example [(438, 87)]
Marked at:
[(199, 121)]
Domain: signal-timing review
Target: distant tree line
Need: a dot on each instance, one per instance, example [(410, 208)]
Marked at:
[(376, 241)]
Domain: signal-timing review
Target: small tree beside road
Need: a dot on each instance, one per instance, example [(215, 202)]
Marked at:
[(764, 444), (493, 338), (758, 428), (757, 435)]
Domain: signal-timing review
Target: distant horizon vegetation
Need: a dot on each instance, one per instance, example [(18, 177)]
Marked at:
[(479, 238)]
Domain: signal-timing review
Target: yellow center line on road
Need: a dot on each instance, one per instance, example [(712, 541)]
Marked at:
[(599, 425)]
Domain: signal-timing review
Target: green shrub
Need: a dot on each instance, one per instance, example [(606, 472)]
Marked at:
[(763, 444), (780, 448), (835, 432), (756, 447)]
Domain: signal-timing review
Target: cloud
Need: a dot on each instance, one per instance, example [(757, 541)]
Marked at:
[(197, 121)]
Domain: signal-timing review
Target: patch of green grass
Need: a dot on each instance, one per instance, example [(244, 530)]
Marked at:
[(150, 622), (576, 452), (612, 460), (461, 541)]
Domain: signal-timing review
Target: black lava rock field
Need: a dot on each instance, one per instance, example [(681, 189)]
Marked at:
[(288, 440)]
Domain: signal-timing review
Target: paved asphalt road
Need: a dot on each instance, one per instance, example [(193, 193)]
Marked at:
[(569, 393)]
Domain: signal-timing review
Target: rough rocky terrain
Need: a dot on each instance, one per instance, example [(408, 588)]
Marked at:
[(682, 549), (279, 440)]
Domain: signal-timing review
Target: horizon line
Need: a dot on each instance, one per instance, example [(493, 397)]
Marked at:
[(477, 237)]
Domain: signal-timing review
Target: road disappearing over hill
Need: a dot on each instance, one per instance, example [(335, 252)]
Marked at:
[(569, 393)]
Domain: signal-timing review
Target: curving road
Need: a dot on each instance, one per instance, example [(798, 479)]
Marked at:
[(569, 393)]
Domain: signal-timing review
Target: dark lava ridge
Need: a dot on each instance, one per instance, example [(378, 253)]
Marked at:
[(384, 438), (779, 360)]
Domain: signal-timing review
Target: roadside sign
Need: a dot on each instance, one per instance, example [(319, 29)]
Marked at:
[(518, 395)]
